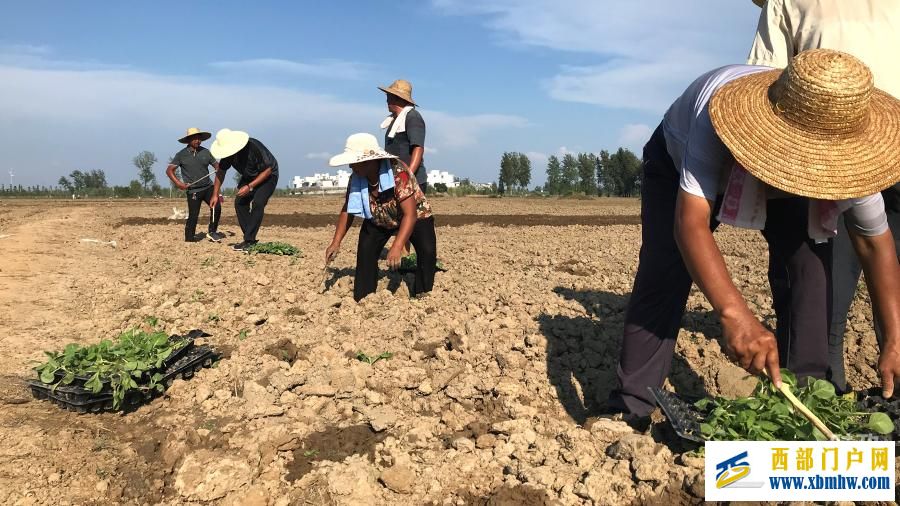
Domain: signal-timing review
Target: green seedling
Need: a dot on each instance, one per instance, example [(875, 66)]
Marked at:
[(208, 262), (274, 248), (310, 453), (243, 334), (214, 318), (134, 356), (768, 416), (362, 357)]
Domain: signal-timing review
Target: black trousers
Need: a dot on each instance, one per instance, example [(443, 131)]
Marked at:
[(372, 239), (194, 201), (662, 284), (251, 208), (845, 271)]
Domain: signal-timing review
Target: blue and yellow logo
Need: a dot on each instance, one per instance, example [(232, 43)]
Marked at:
[(732, 470)]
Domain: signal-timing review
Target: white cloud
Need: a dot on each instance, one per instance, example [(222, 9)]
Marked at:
[(634, 136), (646, 51), (322, 155), (329, 69), (536, 156), (100, 118), (430, 150)]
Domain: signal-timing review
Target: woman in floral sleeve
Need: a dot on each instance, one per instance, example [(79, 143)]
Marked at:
[(383, 191)]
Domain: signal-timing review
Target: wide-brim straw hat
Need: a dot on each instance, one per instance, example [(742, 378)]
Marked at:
[(400, 88), (817, 129), (359, 148), (228, 142), (192, 132)]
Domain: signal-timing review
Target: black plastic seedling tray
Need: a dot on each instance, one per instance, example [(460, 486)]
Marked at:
[(80, 400), (685, 418), (173, 357)]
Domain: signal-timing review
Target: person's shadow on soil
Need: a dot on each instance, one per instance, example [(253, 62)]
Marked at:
[(582, 352)]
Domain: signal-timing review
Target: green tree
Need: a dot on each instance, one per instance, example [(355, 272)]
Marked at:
[(66, 184), (586, 170), (554, 176), (569, 174), (603, 184), (625, 173), (507, 176), (144, 162), (523, 171)]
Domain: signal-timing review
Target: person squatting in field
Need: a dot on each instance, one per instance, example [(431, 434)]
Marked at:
[(259, 178), (383, 191), (194, 161), (738, 136), (869, 30)]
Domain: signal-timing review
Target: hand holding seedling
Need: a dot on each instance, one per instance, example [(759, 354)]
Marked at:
[(751, 345), (394, 256), (331, 252)]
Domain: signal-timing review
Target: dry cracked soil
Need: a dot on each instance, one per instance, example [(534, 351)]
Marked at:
[(490, 397)]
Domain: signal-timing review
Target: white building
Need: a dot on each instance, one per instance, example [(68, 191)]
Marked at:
[(442, 176), (322, 182)]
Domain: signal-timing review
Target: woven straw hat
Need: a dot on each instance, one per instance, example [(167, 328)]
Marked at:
[(194, 131), (359, 148), (817, 129), (400, 88), (228, 142)]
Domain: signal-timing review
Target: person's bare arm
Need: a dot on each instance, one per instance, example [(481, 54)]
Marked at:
[(407, 223), (170, 171), (217, 185), (879, 262), (345, 219), (415, 159), (748, 341), (252, 185)]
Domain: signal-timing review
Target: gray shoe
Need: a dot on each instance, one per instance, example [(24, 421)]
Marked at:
[(215, 236)]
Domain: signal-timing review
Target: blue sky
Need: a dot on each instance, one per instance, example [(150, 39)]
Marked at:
[(87, 85)]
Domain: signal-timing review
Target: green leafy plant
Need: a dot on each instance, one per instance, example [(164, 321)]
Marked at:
[(409, 263), (243, 334), (134, 357), (767, 416), (274, 248), (362, 357)]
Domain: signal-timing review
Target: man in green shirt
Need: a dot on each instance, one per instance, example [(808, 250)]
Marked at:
[(197, 182)]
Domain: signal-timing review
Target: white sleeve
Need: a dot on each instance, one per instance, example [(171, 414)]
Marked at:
[(705, 159), (773, 45), (866, 216)]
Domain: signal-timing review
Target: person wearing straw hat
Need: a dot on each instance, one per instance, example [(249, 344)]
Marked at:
[(870, 31), (383, 192), (818, 129), (259, 179), (194, 161)]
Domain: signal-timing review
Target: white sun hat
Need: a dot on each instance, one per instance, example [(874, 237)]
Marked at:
[(228, 142), (359, 148)]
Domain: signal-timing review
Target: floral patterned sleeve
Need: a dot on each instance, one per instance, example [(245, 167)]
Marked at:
[(404, 183)]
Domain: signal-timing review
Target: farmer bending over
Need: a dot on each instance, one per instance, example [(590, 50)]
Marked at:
[(383, 191), (818, 129), (194, 161), (259, 178)]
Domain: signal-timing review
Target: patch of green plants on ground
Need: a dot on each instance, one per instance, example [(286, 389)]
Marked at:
[(766, 415), (274, 248), (369, 359), (121, 363), (243, 334), (409, 262)]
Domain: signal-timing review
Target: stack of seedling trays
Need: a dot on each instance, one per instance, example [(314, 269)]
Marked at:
[(686, 418), (94, 393)]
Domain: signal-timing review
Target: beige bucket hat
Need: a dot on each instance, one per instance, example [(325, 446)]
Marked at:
[(359, 148), (194, 131), (818, 128), (400, 88), (228, 142)]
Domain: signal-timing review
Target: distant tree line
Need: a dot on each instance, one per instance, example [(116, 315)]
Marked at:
[(617, 174)]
